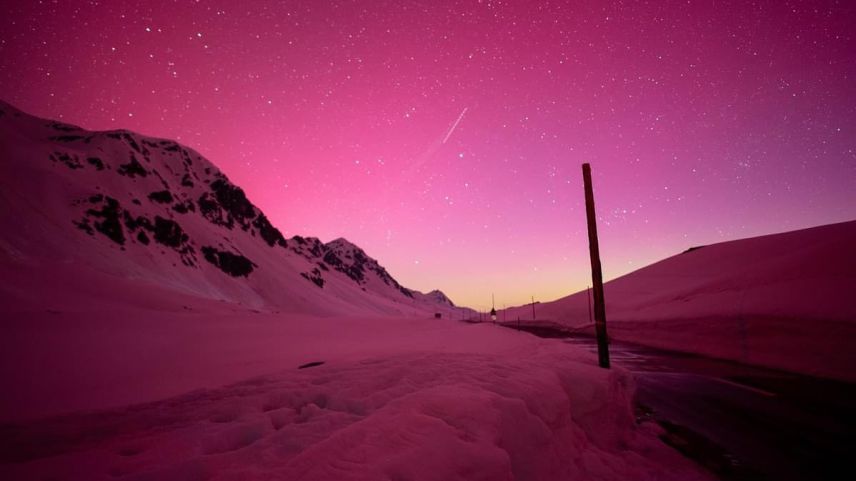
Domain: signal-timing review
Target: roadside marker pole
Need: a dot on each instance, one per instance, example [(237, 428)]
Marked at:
[(596, 274)]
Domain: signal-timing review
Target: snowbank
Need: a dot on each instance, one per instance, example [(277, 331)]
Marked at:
[(515, 408), (783, 301)]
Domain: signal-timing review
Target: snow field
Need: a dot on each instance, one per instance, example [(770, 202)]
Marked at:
[(544, 413)]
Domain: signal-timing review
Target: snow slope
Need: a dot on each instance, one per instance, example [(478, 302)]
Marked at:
[(150, 212), (394, 399), (784, 301)]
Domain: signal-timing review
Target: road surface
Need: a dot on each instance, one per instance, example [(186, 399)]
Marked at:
[(741, 422)]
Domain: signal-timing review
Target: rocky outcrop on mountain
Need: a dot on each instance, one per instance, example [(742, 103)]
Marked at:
[(342, 256), (154, 210), (440, 298), (221, 203), (233, 264)]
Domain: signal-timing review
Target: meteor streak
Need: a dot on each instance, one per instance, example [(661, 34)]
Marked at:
[(449, 134)]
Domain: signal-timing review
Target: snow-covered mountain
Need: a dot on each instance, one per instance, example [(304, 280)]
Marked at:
[(120, 217), (782, 300)]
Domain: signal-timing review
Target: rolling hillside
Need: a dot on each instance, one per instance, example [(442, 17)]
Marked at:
[(783, 300)]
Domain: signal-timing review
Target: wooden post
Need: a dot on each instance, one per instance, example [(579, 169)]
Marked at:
[(596, 274)]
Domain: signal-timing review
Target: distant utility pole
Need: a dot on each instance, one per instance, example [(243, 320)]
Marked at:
[(596, 275), (533, 308)]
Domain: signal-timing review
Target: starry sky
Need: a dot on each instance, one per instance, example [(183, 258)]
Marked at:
[(446, 137)]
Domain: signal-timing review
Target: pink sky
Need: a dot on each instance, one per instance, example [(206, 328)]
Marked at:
[(704, 121)]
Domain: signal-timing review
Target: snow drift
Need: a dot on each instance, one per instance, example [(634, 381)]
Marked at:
[(427, 401), (784, 301)]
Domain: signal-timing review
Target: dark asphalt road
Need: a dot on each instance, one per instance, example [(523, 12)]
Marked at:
[(741, 422)]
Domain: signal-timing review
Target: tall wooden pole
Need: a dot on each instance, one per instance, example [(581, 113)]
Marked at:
[(596, 275)]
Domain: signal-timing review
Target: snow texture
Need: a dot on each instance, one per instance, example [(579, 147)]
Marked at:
[(426, 401)]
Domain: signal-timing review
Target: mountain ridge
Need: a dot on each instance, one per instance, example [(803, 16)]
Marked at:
[(150, 197)]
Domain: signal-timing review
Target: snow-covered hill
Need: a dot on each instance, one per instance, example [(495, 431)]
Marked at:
[(117, 217), (783, 300)]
